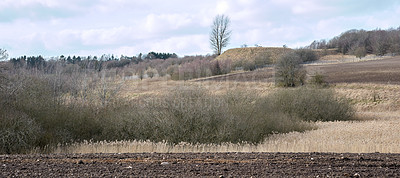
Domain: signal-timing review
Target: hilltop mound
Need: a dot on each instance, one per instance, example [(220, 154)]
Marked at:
[(253, 53)]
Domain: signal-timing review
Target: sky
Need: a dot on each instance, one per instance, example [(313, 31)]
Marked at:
[(129, 27)]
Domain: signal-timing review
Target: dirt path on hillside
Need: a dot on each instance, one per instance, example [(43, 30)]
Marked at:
[(201, 164)]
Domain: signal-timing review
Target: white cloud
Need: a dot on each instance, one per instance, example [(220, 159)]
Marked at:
[(183, 45), (94, 27), (309, 7), (222, 7), (162, 22), (24, 3)]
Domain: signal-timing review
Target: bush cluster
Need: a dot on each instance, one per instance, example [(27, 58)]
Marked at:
[(43, 110), (195, 115), (289, 71), (306, 55), (312, 104)]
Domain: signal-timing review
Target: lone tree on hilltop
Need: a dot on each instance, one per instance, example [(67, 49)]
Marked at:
[(220, 33)]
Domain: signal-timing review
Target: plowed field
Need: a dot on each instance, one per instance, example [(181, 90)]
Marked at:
[(384, 71), (202, 164)]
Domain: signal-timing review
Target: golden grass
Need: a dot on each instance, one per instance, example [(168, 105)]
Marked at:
[(378, 130), (337, 57), (252, 53), (365, 97), (158, 86), (371, 97)]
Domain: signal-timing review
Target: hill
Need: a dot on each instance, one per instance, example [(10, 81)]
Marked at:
[(237, 55)]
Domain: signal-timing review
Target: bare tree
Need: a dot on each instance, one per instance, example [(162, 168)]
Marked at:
[(220, 33), (3, 54)]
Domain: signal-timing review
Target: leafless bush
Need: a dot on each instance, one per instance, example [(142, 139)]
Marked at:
[(288, 71), (19, 132), (51, 113), (311, 104)]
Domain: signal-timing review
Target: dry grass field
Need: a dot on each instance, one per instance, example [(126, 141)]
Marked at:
[(377, 104), (251, 53)]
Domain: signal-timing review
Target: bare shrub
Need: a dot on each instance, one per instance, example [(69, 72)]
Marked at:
[(318, 80), (262, 60), (50, 113), (312, 104), (19, 132), (289, 72), (360, 52), (306, 55), (151, 72), (194, 115)]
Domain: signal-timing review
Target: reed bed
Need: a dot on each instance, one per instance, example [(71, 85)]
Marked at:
[(377, 134)]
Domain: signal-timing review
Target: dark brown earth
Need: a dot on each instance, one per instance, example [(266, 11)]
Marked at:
[(385, 71), (202, 164)]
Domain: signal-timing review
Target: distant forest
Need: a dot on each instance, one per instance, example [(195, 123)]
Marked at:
[(353, 42), (362, 42)]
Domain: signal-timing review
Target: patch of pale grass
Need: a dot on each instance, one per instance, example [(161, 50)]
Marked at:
[(371, 97), (380, 133), (155, 87), (339, 58)]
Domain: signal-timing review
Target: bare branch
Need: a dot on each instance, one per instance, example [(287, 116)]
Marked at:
[(3, 54)]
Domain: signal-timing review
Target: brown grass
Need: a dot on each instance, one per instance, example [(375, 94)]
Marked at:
[(251, 53)]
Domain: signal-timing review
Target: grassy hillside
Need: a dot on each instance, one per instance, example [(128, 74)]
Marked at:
[(325, 52), (252, 54)]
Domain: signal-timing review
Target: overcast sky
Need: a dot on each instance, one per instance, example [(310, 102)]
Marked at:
[(130, 27)]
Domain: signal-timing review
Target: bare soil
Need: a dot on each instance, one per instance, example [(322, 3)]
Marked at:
[(201, 164), (384, 71)]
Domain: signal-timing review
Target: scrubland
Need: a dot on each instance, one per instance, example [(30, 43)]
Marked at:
[(86, 112), (375, 129)]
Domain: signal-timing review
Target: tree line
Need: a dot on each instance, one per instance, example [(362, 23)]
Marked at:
[(361, 42), (150, 65)]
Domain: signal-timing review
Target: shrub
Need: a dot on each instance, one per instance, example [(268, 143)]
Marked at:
[(262, 60), (249, 65), (40, 113), (318, 80), (151, 72), (195, 115), (39, 107), (19, 132), (288, 71), (312, 104), (306, 55), (360, 52)]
